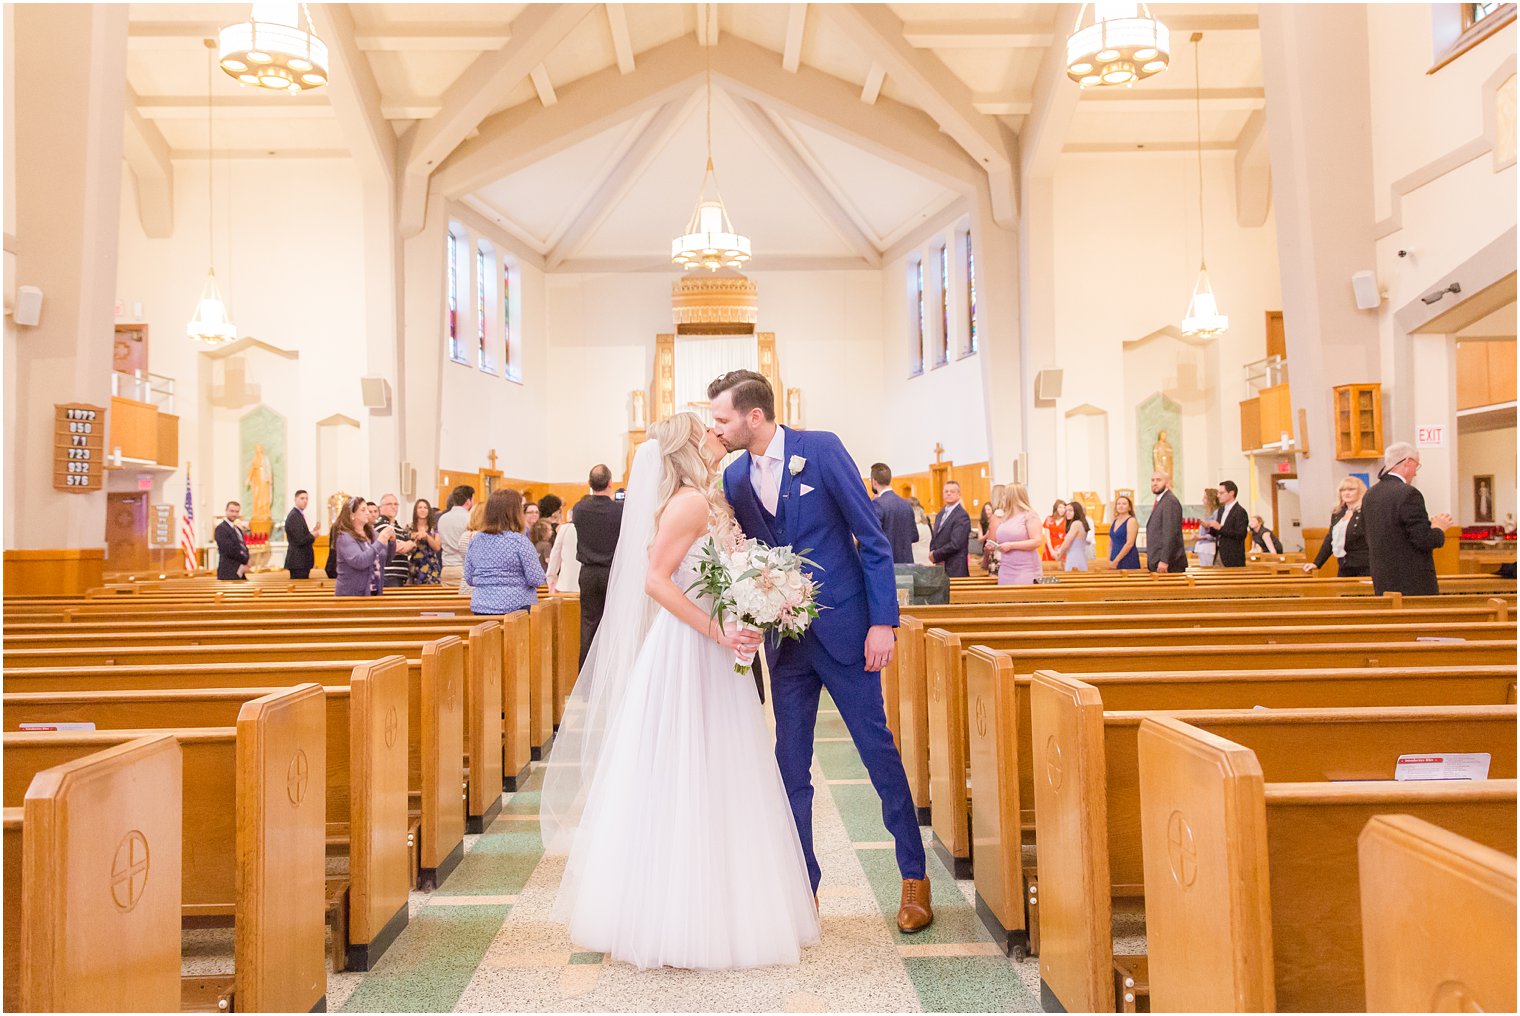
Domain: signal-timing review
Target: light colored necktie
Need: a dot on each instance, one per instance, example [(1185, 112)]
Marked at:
[(769, 490)]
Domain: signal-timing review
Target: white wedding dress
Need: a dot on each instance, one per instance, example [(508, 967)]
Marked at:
[(685, 853)]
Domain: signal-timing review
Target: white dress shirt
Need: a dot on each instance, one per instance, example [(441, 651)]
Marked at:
[(765, 471)]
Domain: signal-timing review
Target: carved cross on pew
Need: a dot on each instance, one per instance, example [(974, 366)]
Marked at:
[(492, 458), (939, 453)]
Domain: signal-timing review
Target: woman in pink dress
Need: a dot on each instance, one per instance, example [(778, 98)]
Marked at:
[(1019, 537)]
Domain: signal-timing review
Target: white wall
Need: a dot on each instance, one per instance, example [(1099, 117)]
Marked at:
[(601, 339), (1486, 453), (1126, 259), (290, 263)]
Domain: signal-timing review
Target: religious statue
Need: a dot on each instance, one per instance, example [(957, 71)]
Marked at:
[(794, 406), (638, 416), (1161, 454), (261, 489)]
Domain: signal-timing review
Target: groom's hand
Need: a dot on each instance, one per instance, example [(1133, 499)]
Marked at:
[(879, 644)]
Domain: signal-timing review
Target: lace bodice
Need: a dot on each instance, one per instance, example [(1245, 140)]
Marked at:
[(686, 572)]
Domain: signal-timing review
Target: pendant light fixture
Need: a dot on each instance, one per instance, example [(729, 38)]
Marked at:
[(1124, 44), (710, 240), (272, 50), (210, 326), (1203, 317)]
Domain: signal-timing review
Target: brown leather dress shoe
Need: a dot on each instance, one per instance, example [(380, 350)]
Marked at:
[(915, 914)]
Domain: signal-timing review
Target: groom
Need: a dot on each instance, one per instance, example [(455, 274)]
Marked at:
[(803, 489)]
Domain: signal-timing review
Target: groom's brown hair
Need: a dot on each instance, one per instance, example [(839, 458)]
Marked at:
[(749, 389)]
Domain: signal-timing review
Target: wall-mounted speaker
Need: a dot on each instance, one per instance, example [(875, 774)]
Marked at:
[(1047, 385), (408, 480), (376, 392), (1365, 288), (28, 308)]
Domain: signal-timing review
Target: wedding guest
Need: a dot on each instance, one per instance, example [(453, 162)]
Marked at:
[(1401, 537), (299, 557), (1164, 549), (895, 514), (598, 519), (474, 526), (455, 521), (1230, 527), (1207, 544), (1347, 538), (993, 514), (551, 508), (541, 535), (1018, 537), (427, 554), (500, 565), (1266, 541), (952, 534), (531, 516), (231, 546), (1074, 550), (564, 572), (1123, 555), (1055, 529), (362, 550), (398, 566), (925, 534)]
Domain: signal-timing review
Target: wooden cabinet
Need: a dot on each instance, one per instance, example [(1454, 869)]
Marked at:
[(1485, 372), (1276, 414), (1358, 421)]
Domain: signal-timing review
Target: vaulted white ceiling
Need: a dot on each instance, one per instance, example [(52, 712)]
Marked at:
[(837, 129)]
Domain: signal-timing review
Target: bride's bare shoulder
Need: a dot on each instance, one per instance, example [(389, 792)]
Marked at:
[(686, 506)]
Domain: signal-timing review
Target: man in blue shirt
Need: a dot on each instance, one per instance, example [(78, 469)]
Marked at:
[(896, 515)]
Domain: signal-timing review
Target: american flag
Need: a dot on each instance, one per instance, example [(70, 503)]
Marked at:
[(187, 527)]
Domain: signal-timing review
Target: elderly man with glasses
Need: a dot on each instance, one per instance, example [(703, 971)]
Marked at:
[(1400, 535)]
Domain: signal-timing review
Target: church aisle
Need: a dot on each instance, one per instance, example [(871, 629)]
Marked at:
[(485, 942)]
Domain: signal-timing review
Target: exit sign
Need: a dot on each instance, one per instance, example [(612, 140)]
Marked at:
[(1430, 437), (1285, 467)]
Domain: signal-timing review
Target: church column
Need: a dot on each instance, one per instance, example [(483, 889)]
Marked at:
[(67, 126), (1315, 68), (422, 354), (1037, 334), (383, 308), (998, 321)]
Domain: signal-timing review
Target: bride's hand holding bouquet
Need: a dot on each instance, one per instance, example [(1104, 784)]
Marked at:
[(761, 588)]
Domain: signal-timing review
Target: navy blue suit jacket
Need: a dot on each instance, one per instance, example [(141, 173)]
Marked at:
[(898, 523), (818, 512)]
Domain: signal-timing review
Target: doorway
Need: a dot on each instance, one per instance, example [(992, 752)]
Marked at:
[(127, 532)]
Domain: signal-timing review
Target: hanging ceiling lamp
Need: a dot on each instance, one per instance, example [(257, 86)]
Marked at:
[(1124, 44), (272, 50), (710, 241), (210, 326), (1203, 318)]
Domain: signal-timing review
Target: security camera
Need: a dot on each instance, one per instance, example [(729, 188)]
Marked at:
[(1403, 253), (1435, 297)]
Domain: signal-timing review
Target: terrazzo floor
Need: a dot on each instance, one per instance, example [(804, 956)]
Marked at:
[(484, 942)]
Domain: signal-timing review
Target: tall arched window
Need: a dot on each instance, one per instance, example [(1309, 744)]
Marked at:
[(942, 338), (455, 350), (970, 297), (920, 322), (483, 272), (512, 340)]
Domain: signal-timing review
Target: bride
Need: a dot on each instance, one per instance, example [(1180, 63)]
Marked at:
[(662, 785)]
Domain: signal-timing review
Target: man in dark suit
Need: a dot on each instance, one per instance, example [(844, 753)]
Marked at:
[(598, 520), (1400, 535), (952, 532), (896, 515), (1164, 549), (299, 557), (231, 548), (1231, 529)]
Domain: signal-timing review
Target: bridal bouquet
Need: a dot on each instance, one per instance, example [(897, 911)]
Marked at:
[(762, 587)]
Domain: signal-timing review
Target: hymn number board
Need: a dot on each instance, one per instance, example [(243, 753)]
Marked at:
[(79, 439)]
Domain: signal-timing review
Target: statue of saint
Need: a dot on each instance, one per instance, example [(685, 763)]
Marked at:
[(1161, 454), (640, 417), (260, 488)]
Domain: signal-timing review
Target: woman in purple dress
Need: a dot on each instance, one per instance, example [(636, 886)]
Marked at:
[(1019, 537)]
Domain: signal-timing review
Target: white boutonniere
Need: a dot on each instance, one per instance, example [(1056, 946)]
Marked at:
[(796, 464)]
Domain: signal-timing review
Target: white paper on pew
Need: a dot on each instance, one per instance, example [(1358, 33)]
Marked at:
[(438, 613), (1468, 766), (1438, 638), (32, 727)]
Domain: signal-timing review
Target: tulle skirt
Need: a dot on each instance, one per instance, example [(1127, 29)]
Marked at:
[(687, 853)]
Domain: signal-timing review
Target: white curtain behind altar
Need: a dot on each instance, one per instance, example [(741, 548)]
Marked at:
[(701, 358)]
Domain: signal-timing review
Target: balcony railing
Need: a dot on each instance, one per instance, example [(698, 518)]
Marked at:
[(143, 386)]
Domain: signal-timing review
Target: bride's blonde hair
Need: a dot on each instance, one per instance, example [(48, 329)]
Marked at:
[(685, 462)]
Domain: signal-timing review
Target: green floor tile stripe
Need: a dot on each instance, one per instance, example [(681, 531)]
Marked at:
[(428, 967), (968, 984)]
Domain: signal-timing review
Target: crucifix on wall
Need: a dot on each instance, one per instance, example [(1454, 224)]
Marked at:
[(492, 458)]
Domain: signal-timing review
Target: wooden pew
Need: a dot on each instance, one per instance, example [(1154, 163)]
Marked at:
[(567, 651), (1181, 590), (434, 726), (1002, 757), (253, 822), (1087, 809), (482, 688), (947, 702), (541, 680), (1252, 890), (907, 667), (1438, 919), (92, 884), (367, 769)]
